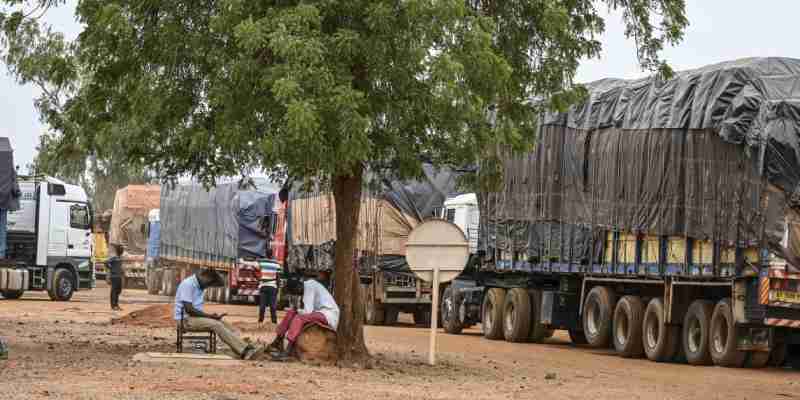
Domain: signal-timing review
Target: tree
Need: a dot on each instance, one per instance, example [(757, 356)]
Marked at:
[(333, 88)]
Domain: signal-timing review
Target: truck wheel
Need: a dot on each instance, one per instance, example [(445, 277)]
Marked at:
[(577, 337), (538, 332), (226, 295), (756, 359), (63, 285), (516, 315), (12, 294), (451, 303), (723, 337), (171, 285), (598, 310), (492, 321), (391, 315), (659, 339), (374, 313), (422, 317), (153, 282), (777, 356), (627, 327), (696, 331)]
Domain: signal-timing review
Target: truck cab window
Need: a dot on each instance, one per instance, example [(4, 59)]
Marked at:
[(79, 216)]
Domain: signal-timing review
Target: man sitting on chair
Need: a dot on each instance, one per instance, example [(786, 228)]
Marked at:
[(189, 307), (319, 307)]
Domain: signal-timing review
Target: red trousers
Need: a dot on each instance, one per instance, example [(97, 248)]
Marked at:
[(293, 323)]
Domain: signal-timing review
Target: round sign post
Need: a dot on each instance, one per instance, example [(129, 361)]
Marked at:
[(436, 252)]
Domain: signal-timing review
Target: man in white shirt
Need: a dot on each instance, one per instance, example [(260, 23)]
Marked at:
[(319, 307)]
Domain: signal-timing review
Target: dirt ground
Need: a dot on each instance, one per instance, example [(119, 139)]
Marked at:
[(72, 351)]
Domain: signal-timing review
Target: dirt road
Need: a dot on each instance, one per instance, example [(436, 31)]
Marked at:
[(71, 350)]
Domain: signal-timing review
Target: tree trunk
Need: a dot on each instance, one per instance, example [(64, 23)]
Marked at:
[(350, 335)]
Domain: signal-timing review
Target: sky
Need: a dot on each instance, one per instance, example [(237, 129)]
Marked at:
[(720, 30)]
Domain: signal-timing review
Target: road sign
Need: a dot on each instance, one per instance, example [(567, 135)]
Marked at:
[(436, 251)]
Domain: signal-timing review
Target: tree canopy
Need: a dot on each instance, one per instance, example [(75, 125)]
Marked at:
[(319, 87)]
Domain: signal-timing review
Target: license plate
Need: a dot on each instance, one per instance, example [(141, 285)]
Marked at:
[(788, 297)]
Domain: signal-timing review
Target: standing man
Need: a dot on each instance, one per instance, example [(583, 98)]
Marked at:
[(115, 274), (319, 307), (189, 311), (268, 290)]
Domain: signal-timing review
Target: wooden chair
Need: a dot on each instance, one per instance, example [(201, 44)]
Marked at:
[(208, 336)]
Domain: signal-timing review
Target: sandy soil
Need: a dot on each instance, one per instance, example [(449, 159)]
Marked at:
[(71, 350)]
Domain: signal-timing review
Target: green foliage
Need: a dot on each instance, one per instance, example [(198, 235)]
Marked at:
[(318, 87)]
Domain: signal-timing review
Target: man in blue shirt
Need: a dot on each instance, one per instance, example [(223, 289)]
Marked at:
[(189, 308), (115, 275)]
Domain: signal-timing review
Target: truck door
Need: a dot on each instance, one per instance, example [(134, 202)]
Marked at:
[(79, 235), (59, 226)]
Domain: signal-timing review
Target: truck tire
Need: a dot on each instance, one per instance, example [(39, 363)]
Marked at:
[(598, 311), (627, 327), (153, 282), (538, 332), (492, 313), (374, 314), (450, 311), (517, 315), (577, 337), (63, 285), (12, 294), (660, 340), (777, 357), (391, 315), (226, 295), (696, 332), (723, 348), (422, 317)]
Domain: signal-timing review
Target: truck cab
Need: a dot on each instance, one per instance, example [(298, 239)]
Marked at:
[(49, 240), (463, 211)]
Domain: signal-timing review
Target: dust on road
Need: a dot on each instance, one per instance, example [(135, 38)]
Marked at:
[(72, 351)]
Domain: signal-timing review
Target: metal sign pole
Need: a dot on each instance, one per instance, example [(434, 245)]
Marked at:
[(434, 316)]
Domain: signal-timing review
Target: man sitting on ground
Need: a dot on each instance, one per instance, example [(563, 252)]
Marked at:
[(319, 307), (189, 307)]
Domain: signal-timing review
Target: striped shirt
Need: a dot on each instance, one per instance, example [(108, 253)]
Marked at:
[(270, 269)]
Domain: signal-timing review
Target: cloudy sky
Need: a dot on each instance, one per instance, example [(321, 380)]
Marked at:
[(720, 30)]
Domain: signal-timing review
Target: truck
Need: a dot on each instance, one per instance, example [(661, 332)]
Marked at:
[(226, 228), (129, 229), (387, 216), (658, 218), (46, 233)]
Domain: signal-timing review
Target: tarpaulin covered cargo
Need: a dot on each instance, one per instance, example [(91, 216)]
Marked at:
[(387, 216), (129, 221), (713, 153), (217, 225)]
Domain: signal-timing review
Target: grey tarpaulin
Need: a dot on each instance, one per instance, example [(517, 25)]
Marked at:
[(422, 197), (9, 189), (220, 224), (711, 153)]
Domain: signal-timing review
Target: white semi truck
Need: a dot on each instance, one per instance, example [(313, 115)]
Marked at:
[(48, 237), (49, 240)]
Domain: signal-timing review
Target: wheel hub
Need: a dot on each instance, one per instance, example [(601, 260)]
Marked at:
[(652, 333), (593, 320), (622, 330), (695, 336)]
